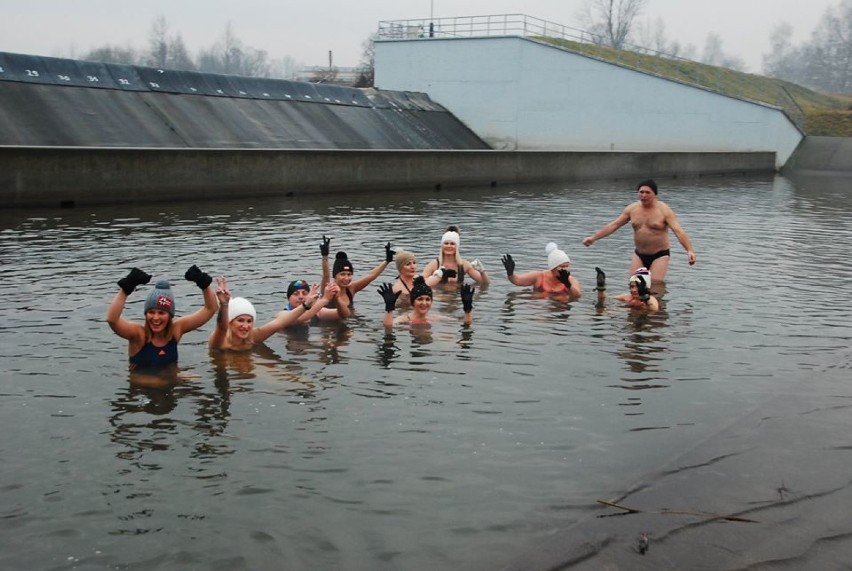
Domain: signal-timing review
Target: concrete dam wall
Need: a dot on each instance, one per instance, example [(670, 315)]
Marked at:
[(76, 133)]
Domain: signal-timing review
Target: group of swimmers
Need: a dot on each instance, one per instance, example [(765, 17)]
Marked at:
[(153, 344)]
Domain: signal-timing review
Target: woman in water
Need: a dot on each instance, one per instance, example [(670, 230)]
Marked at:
[(639, 297), (556, 279), (235, 330), (299, 292), (449, 266), (153, 344), (421, 302), (406, 264), (342, 273)]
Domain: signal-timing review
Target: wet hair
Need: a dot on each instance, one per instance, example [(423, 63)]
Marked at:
[(649, 182), (419, 288)]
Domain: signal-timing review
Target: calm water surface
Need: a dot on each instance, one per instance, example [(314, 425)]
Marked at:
[(346, 448)]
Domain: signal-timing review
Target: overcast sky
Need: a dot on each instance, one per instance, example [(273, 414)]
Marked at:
[(308, 30)]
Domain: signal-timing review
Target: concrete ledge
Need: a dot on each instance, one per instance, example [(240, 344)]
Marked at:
[(76, 176)]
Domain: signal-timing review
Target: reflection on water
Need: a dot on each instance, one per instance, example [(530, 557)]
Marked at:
[(345, 446)]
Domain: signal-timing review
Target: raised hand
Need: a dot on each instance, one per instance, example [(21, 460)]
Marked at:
[(223, 294), (387, 293), (467, 297), (642, 289), (313, 295), (331, 291), (564, 276), (477, 265), (201, 279), (325, 245), (509, 264), (388, 253), (136, 277), (600, 279)]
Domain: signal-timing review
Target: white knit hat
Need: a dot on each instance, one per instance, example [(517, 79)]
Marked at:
[(450, 236), (555, 256), (641, 274), (240, 306)]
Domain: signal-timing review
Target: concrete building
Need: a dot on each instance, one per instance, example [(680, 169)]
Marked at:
[(520, 93)]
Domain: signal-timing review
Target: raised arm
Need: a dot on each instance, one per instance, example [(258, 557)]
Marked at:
[(363, 282), (525, 279), (389, 296), (476, 270), (467, 303), (219, 336), (125, 328), (200, 317), (608, 229), (326, 271)]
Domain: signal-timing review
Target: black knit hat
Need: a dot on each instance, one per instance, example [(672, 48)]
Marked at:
[(341, 263), (420, 288)]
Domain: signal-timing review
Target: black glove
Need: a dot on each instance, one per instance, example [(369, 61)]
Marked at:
[(642, 289), (136, 277), (509, 264), (326, 244), (202, 280), (388, 253), (467, 297), (600, 279), (562, 275), (387, 293)]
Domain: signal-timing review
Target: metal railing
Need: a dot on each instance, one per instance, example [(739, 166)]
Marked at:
[(482, 26)]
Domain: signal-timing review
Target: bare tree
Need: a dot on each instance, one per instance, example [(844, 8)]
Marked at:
[(652, 36), (715, 55), (158, 43), (825, 62), (165, 50), (612, 21), (114, 54), (284, 67), (367, 67), (229, 55)]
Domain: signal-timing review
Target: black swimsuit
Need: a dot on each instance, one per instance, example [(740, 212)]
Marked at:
[(648, 259)]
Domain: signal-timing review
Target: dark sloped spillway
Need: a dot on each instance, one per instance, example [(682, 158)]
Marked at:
[(61, 102)]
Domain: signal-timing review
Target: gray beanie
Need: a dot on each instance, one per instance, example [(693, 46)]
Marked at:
[(161, 297)]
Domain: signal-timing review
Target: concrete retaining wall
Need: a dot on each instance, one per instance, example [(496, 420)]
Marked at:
[(76, 176), (822, 154), (520, 94)]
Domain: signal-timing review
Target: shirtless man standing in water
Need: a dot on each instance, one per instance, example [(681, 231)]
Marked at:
[(651, 219)]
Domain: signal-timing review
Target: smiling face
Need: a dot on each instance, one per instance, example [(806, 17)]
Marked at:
[(241, 326), (343, 278), (422, 304), (449, 248), (157, 320)]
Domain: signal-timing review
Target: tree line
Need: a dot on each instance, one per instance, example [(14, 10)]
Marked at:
[(823, 63)]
